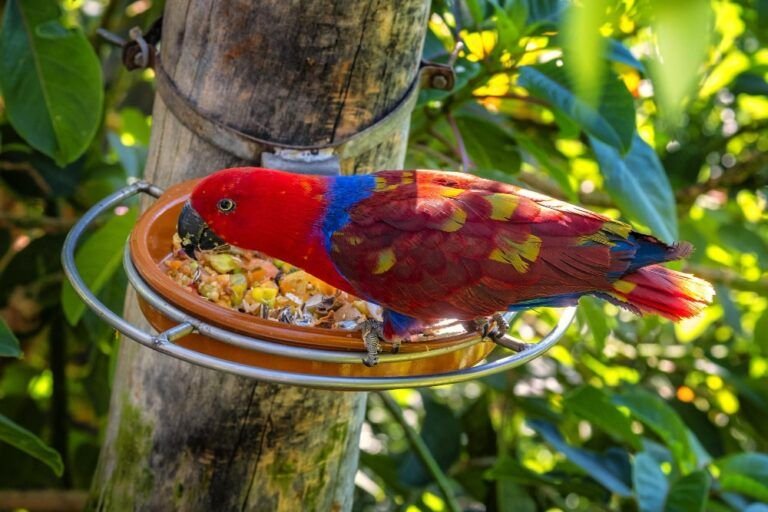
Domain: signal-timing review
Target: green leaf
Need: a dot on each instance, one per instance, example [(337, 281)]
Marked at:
[(617, 52), (595, 406), (750, 83), (591, 311), (488, 144), (507, 28), (97, 259), (689, 493), (26, 441), (746, 473), (597, 467), (9, 344), (547, 159), (477, 10), (584, 47), (683, 30), (441, 432), (639, 185), (545, 11), (650, 483), (512, 497), (50, 78), (664, 421), (761, 326), (612, 122)]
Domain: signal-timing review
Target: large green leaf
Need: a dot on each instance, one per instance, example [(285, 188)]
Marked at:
[(597, 467), (662, 419), (26, 441), (650, 483), (746, 473), (683, 30), (9, 345), (584, 47), (688, 493), (50, 78), (639, 185), (97, 259), (612, 121), (595, 406)]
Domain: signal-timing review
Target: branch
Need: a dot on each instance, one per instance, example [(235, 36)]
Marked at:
[(48, 224), (735, 176), (45, 500), (422, 451), (466, 162), (513, 96)]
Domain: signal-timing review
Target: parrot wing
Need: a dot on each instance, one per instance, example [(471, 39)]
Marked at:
[(437, 245)]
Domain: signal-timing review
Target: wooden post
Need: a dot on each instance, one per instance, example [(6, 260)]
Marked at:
[(182, 437)]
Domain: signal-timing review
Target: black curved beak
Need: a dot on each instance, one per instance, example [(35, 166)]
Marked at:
[(195, 233)]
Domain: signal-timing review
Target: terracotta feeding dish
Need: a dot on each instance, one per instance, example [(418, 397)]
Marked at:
[(151, 243)]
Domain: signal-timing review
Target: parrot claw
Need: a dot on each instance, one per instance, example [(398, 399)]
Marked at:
[(493, 328), (373, 332)]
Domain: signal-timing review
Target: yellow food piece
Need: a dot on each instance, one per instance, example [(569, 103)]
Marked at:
[(264, 295), (238, 284), (304, 285)]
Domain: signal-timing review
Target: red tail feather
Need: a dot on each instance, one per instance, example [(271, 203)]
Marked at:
[(661, 291)]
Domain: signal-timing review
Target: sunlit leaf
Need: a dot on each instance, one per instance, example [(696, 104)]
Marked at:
[(664, 421), (97, 259), (584, 48), (595, 406), (639, 185), (612, 121), (591, 310), (683, 30), (52, 86), (26, 441)]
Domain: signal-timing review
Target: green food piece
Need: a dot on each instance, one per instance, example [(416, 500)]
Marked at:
[(223, 263)]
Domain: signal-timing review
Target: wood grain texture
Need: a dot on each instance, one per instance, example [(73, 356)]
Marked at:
[(182, 437)]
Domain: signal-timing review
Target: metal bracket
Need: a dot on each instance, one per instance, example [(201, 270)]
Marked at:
[(315, 161)]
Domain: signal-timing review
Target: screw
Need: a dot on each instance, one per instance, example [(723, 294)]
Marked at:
[(439, 82)]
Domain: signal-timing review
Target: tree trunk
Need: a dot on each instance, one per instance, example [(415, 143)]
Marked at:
[(181, 437)]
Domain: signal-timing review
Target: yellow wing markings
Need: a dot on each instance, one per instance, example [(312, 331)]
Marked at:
[(517, 254), (385, 260), (503, 206)]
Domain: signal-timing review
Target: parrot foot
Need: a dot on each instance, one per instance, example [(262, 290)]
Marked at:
[(373, 333), (494, 327)]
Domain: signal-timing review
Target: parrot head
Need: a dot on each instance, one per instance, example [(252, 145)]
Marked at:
[(214, 203), (251, 208)]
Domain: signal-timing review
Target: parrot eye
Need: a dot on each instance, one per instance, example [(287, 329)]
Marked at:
[(225, 205)]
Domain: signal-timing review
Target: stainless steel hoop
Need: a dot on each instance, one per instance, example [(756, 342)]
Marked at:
[(164, 342)]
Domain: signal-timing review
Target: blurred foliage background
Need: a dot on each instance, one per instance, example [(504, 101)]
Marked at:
[(652, 111)]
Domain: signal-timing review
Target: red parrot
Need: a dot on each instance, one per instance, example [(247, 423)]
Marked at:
[(429, 245)]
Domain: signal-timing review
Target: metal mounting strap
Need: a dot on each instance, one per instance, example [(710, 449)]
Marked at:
[(247, 147)]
